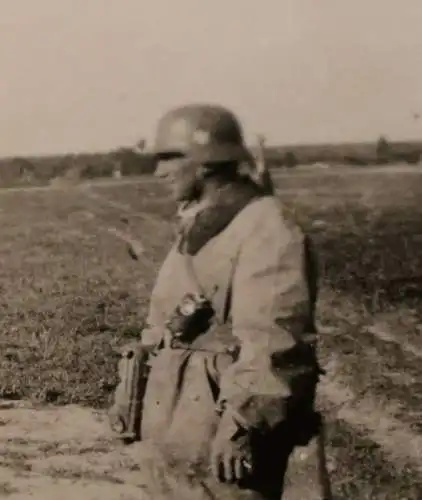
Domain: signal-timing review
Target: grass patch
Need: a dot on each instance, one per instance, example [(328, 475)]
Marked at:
[(69, 294)]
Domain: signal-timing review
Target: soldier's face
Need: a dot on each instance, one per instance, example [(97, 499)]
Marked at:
[(181, 176)]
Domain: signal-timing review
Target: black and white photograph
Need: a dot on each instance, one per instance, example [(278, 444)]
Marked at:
[(210, 250)]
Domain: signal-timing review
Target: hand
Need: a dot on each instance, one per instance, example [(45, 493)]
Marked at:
[(231, 457), (152, 335)]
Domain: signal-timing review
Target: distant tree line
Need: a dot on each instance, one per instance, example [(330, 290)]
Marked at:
[(127, 161), (41, 170), (390, 153), (383, 152)]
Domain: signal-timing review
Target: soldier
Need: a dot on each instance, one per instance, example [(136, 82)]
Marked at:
[(228, 396)]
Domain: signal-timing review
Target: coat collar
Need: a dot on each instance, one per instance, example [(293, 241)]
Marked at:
[(201, 221)]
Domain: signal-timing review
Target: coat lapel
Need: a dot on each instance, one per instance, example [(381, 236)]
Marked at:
[(202, 222)]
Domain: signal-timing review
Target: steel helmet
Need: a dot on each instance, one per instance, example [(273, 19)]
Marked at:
[(203, 133)]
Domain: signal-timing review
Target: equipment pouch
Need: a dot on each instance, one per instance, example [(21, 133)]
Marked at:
[(126, 412)]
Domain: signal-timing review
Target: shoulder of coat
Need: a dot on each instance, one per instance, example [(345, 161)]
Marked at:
[(272, 210)]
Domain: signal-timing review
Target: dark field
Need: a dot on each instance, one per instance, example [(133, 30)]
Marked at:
[(69, 292)]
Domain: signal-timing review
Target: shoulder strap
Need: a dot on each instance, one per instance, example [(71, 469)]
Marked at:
[(219, 299)]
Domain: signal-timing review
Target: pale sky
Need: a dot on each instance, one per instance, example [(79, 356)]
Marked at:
[(84, 75)]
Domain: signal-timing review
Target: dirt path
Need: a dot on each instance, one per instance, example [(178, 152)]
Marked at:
[(400, 444), (66, 452), (63, 453)]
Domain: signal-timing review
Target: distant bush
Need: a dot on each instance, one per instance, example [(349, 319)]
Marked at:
[(384, 151), (412, 157), (290, 160), (131, 162), (353, 160), (92, 171)]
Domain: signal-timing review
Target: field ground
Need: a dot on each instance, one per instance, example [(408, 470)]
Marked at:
[(69, 293)]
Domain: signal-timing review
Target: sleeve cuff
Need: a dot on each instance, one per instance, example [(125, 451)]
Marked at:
[(255, 412)]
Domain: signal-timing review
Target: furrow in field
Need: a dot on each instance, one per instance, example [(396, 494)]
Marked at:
[(365, 412)]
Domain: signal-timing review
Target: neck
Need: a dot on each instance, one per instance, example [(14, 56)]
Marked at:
[(212, 190)]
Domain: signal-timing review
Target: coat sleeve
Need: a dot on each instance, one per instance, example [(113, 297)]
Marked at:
[(271, 307)]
